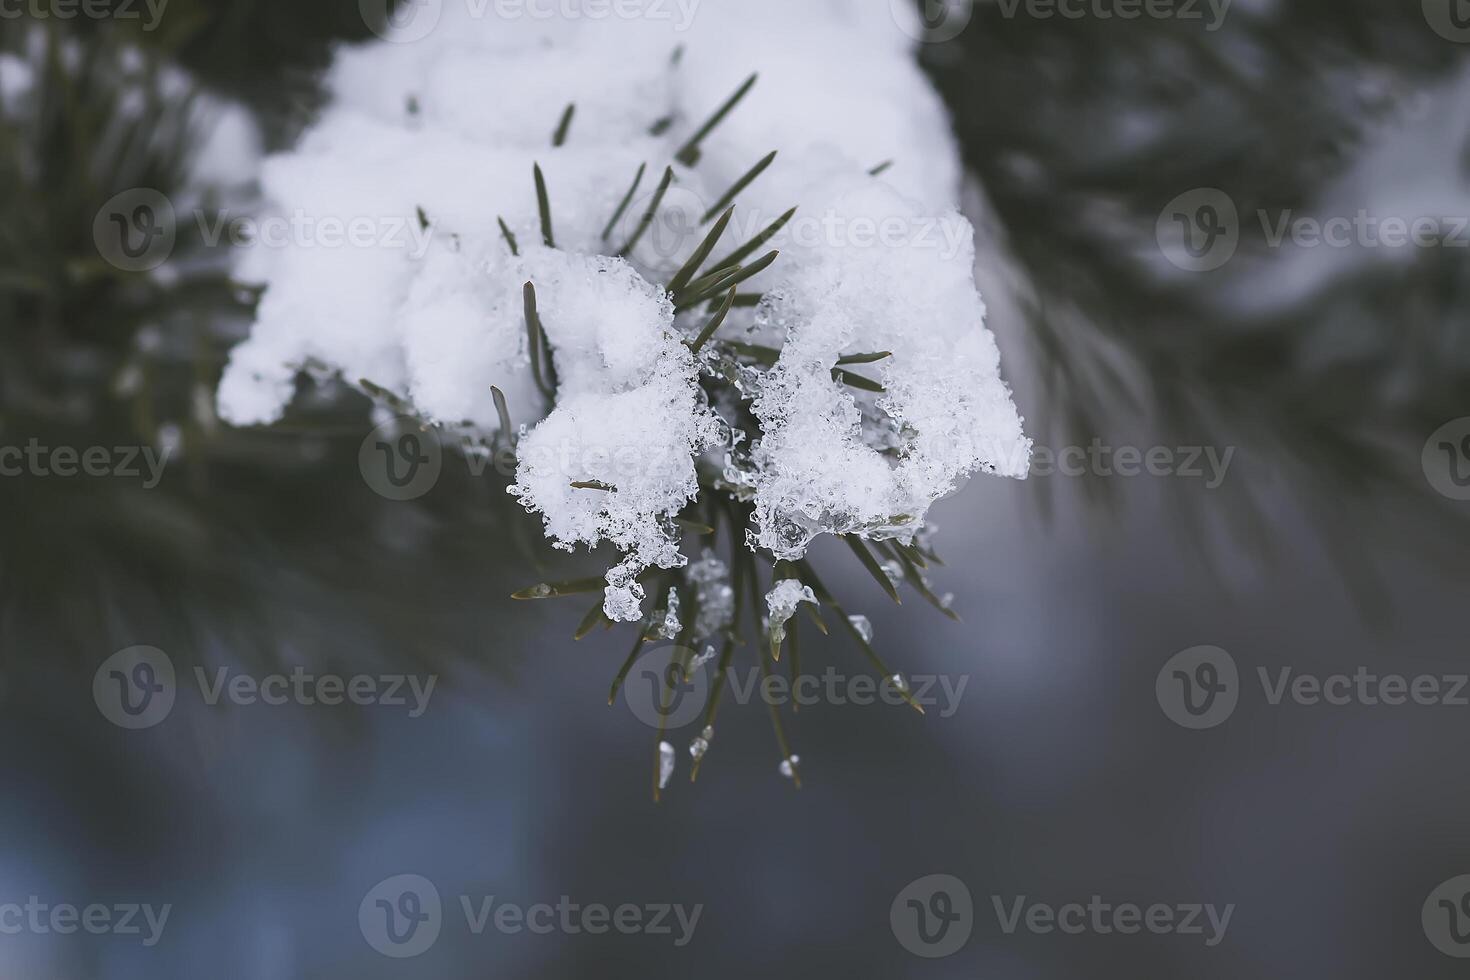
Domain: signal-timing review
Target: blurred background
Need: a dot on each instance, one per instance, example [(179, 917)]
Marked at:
[(1130, 179)]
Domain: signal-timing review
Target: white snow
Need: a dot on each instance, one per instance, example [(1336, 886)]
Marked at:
[(781, 603), (449, 123)]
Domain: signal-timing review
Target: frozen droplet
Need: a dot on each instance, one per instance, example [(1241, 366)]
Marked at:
[(788, 766), (946, 600), (541, 591), (894, 571), (863, 627), (900, 684), (665, 764), (698, 748), (170, 438)]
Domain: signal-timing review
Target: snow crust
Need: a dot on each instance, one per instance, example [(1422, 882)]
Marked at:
[(429, 138)]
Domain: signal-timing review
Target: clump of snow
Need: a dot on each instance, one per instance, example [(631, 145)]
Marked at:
[(422, 149), (714, 592), (781, 603)]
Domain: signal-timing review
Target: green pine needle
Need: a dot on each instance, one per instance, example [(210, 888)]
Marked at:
[(623, 671), (865, 556), (563, 127), (623, 206), (503, 410), (857, 381), (723, 281), (510, 239), (714, 322), (915, 578), (740, 185), (691, 266), (809, 576), (793, 635), (761, 355), (559, 590), (648, 215), (543, 205), (534, 339), (688, 154), (865, 358), (750, 247), (593, 485), (881, 169), (590, 621)]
